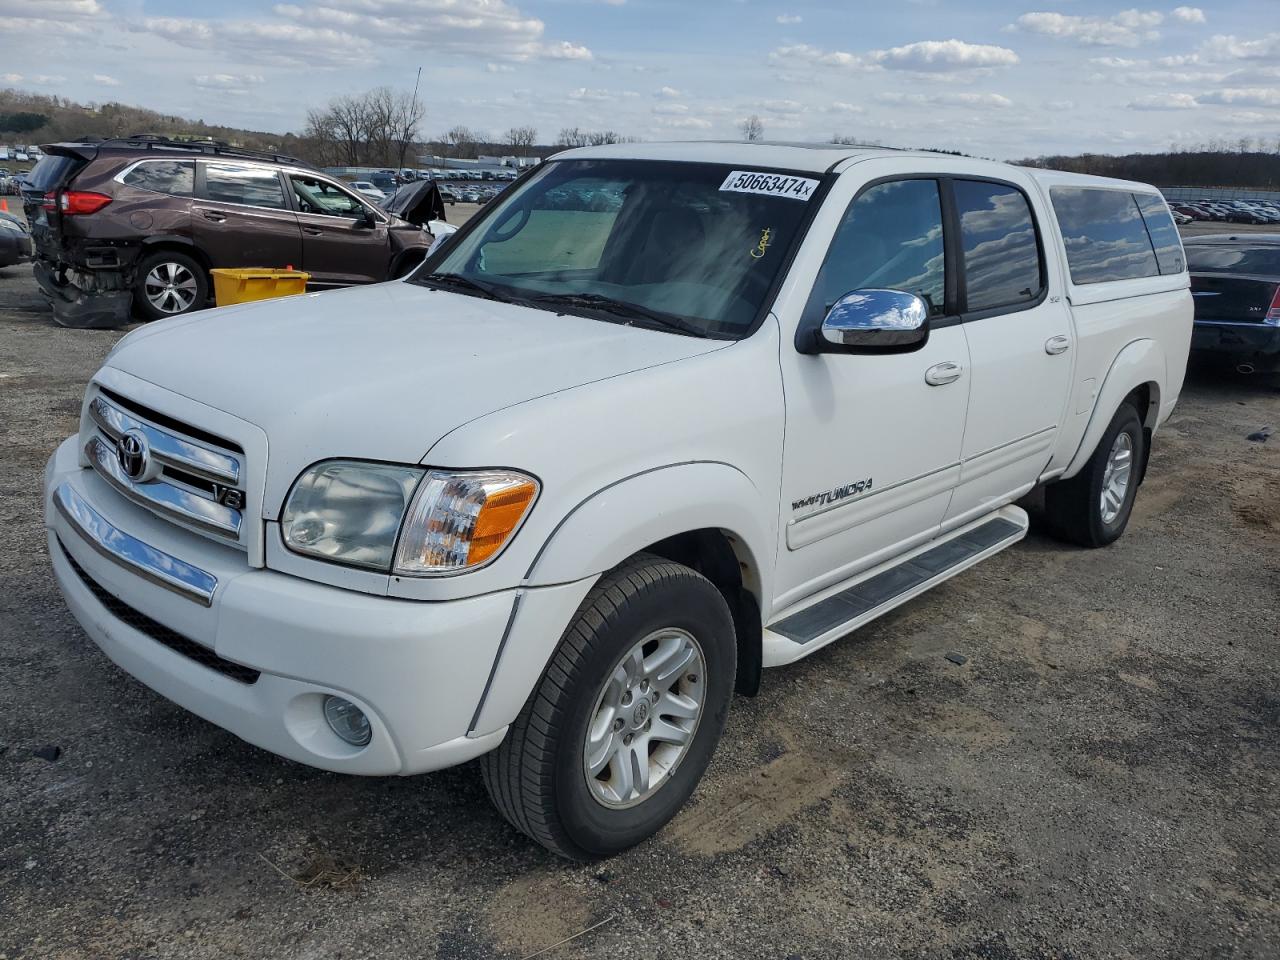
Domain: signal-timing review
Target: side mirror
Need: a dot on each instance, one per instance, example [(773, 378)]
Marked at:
[(365, 218), (877, 321)]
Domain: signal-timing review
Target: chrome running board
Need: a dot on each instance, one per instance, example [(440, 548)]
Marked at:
[(841, 609)]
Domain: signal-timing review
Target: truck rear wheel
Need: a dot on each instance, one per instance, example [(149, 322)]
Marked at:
[(1093, 507), (624, 721)]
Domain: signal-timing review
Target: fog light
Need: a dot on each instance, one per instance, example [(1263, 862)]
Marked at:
[(347, 721)]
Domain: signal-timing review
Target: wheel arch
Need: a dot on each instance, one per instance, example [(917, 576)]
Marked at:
[(1135, 375), (704, 514)]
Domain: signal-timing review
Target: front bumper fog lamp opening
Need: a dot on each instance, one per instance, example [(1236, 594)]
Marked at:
[(347, 721)]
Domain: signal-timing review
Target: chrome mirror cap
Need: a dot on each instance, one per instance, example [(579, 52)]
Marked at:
[(877, 319)]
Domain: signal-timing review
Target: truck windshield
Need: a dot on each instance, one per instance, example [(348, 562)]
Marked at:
[(689, 247)]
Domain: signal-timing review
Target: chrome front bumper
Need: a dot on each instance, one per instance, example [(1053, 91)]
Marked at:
[(131, 553)]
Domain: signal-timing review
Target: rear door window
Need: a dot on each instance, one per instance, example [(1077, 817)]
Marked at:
[(1105, 235), (1001, 252), (249, 186), (174, 177), (1164, 234), (890, 238)]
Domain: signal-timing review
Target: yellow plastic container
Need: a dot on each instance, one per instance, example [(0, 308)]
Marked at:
[(252, 283)]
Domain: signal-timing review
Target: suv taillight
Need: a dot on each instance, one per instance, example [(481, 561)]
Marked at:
[(75, 202)]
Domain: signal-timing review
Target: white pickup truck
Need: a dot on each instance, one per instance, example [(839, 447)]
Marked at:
[(659, 417)]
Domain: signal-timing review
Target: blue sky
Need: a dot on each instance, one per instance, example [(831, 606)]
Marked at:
[(994, 77)]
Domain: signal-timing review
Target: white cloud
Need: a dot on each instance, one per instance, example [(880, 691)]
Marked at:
[(102, 80), (685, 123), (840, 106), (1244, 97), (789, 18), (348, 32), (46, 80), (50, 9), (595, 96), (669, 93), (1129, 28), (946, 99), (499, 68), (944, 56), (1164, 101), (228, 83), (10, 78), (1189, 15), (924, 56), (1266, 47)]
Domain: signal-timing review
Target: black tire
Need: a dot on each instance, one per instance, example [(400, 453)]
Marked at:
[(536, 778), (184, 266), (1073, 508)]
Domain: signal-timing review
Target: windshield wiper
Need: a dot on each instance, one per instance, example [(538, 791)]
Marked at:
[(466, 283), (619, 308)]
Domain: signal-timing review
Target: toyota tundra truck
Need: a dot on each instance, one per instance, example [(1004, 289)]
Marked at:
[(658, 418)]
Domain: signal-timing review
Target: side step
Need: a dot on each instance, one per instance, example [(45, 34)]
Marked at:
[(841, 609)]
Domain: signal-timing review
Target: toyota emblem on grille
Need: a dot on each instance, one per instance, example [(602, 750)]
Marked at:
[(133, 455)]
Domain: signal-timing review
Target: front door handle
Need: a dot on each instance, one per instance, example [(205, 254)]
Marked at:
[(1056, 345), (214, 215), (312, 231), (941, 374)]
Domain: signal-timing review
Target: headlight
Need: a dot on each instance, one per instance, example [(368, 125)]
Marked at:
[(462, 520), (13, 225), (349, 512), (352, 512)]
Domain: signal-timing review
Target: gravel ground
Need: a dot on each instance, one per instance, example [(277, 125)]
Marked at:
[(1098, 779)]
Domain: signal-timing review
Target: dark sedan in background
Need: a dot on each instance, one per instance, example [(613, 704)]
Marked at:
[(1236, 284), (15, 240)]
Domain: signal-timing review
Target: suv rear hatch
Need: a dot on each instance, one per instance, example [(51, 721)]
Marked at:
[(55, 171)]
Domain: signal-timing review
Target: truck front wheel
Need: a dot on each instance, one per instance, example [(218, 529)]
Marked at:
[(1093, 507), (624, 721)]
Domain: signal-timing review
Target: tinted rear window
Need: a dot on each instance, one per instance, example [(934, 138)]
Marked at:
[(1001, 255), (1228, 258), (174, 177), (52, 172), (1105, 235), (254, 186), (1164, 235)]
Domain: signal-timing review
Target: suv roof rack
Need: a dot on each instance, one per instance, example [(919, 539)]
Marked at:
[(154, 141)]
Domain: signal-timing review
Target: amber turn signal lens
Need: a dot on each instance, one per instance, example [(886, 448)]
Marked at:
[(498, 518)]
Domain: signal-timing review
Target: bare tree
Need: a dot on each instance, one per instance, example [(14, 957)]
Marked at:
[(573, 137), (461, 141), (521, 139), (752, 129), (599, 138)]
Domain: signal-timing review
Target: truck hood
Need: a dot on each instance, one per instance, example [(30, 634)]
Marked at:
[(381, 372)]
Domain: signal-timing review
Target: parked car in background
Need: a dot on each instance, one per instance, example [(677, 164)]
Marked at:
[(21, 156), (659, 418), (1235, 281), (137, 223), (367, 189), (15, 240)]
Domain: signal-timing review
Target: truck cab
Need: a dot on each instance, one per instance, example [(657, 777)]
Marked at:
[(659, 417)]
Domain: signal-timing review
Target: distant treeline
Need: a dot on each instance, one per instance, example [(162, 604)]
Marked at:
[(1254, 169)]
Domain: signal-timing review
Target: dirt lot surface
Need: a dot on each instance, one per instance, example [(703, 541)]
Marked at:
[(1098, 779)]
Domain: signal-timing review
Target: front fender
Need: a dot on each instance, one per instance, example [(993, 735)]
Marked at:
[(600, 532), (633, 513), (1140, 362)]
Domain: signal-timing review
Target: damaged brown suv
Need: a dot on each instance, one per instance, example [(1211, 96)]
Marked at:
[(133, 226)]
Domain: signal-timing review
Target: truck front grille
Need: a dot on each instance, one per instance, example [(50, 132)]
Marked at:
[(159, 632), (175, 470)]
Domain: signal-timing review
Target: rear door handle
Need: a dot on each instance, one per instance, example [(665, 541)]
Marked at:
[(941, 374), (312, 231), (214, 215), (1056, 345)]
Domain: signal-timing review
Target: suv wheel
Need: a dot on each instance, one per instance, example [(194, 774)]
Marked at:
[(1093, 507), (618, 732), (169, 283)]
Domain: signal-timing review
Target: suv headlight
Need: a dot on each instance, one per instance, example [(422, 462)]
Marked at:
[(353, 512)]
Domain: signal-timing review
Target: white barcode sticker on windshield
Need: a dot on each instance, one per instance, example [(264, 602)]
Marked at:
[(770, 184)]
